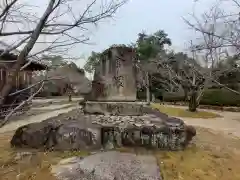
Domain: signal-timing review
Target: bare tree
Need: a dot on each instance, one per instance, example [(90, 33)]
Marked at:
[(217, 39), (62, 23), (175, 76), (188, 74), (218, 32)]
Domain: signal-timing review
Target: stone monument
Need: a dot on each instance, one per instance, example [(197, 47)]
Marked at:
[(111, 117), (114, 88), (115, 75)]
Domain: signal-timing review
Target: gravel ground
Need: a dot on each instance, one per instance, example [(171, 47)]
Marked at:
[(12, 126), (52, 107), (40, 101), (229, 122)]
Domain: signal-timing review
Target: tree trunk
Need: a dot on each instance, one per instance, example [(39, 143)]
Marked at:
[(148, 96), (185, 94), (193, 101), (193, 96), (70, 97), (153, 97), (148, 89)]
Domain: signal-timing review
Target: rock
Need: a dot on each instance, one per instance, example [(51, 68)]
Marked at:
[(88, 132), (74, 136), (35, 135), (150, 111), (174, 122), (108, 166), (131, 136), (21, 155), (190, 133), (82, 103), (68, 135)]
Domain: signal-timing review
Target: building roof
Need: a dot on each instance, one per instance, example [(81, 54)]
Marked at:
[(36, 64)]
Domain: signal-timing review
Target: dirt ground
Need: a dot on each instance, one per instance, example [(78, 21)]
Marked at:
[(213, 155), (40, 112), (229, 122)]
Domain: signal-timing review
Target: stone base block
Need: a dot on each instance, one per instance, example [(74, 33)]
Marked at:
[(114, 108)]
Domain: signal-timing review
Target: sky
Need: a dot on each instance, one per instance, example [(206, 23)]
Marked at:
[(149, 16), (134, 17)]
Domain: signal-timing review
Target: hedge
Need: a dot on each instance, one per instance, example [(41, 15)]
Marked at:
[(217, 97), (141, 94), (173, 97), (220, 97)]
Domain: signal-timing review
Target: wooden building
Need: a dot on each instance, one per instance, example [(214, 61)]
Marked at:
[(23, 80)]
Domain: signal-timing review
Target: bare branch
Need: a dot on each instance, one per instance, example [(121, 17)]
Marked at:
[(236, 2), (33, 85), (64, 27), (58, 24), (7, 7), (14, 47), (20, 105), (23, 54)]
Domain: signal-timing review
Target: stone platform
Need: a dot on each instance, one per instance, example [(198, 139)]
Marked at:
[(116, 108), (78, 131)]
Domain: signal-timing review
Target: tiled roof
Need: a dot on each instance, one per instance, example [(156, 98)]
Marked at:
[(14, 53)]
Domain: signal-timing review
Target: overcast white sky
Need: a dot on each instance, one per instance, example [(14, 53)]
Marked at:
[(150, 16), (137, 16)]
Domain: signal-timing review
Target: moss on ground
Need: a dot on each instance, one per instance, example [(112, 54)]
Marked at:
[(180, 112)]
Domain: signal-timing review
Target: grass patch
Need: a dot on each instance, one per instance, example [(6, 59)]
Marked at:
[(197, 163), (194, 163), (68, 154), (180, 112)]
